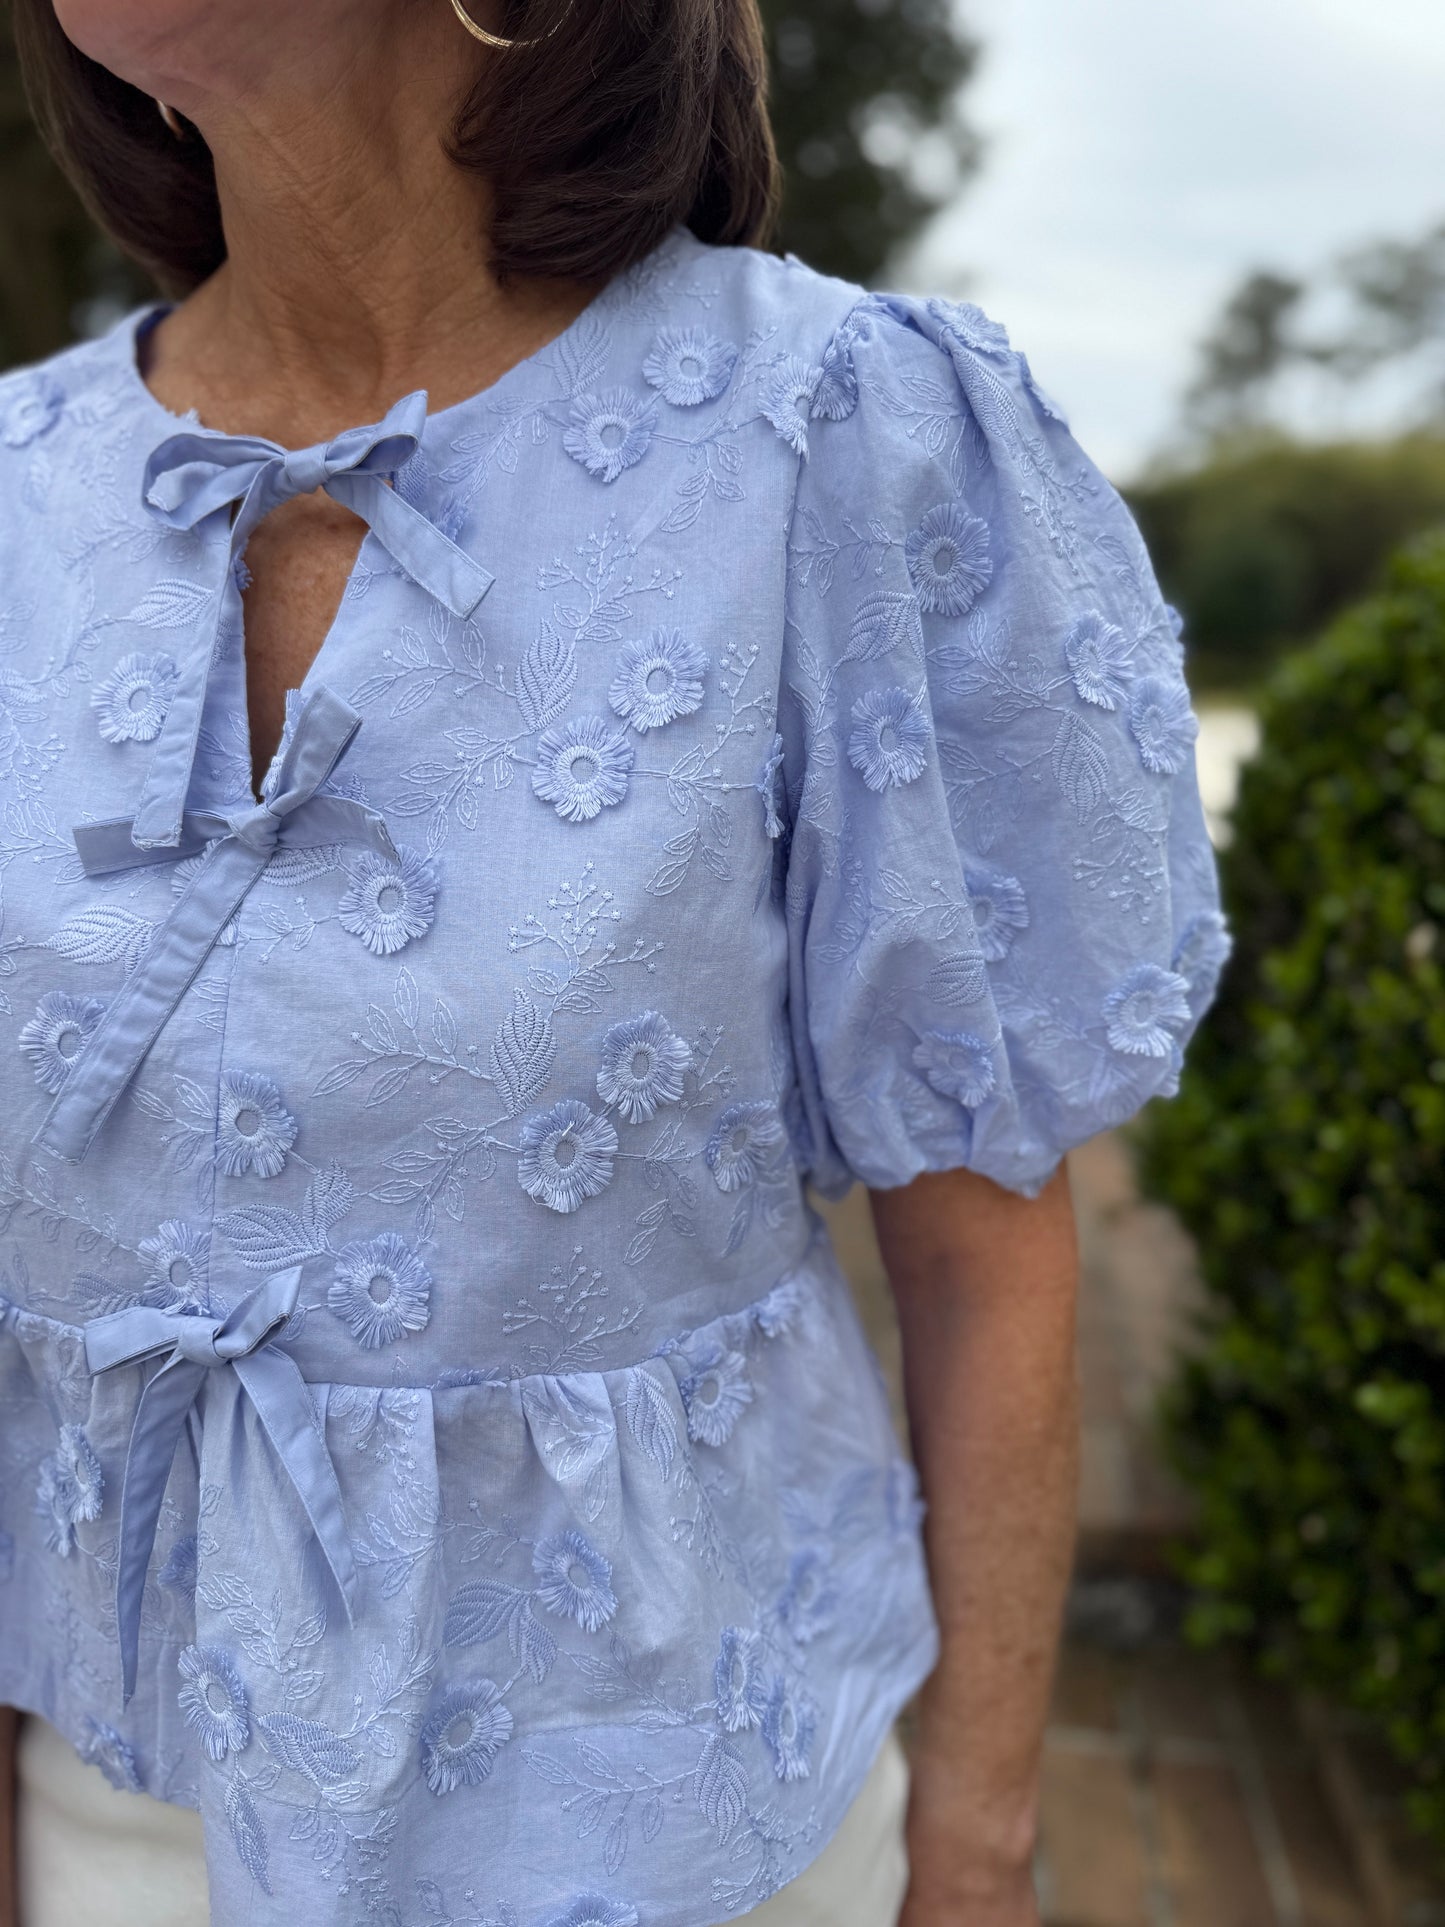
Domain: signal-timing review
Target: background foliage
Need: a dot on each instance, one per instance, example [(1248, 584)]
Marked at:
[(1305, 1154), (866, 105)]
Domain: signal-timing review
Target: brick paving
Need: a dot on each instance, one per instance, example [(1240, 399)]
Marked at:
[(1178, 1791)]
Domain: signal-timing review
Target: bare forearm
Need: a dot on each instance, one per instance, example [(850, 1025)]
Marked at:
[(985, 1289)]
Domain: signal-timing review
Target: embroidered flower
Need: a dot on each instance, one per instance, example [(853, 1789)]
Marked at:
[(567, 1155), (788, 400), (102, 1746), (776, 1314), (254, 1130), (1163, 723), (738, 1691), (770, 787), (30, 406), (743, 1144), (1201, 953), (593, 1910), (131, 704), (643, 1060), (71, 1488), (214, 1701), (789, 1722), (948, 559), (463, 1734), (688, 366), (836, 395), (1000, 910), (957, 1064), (1097, 653), (181, 1566), (658, 680), (582, 768), (809, 1601), (178, 1257), (888, 744), (972, 326), (1145, 1010), (388, 904), (715, 1396), (55, 1036), (609, 432), (381, 1289), (572, 1579)]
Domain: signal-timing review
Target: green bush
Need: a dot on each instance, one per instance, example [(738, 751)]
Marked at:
[(1306, 1154), (1263, 545)]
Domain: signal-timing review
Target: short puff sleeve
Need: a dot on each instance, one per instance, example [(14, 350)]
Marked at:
[(1001, 900)]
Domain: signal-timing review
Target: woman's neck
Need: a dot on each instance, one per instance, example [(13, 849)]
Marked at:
[(356, 249)]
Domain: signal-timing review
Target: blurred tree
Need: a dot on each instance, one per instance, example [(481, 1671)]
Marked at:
[(867, 104), (865, 101)]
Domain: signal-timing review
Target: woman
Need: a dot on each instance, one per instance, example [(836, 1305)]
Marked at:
[(470, 856)]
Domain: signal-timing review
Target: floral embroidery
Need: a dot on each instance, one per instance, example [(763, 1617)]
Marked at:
[(254, 1130), (179, 1570), (582, 768), (738, 1684), (178, 1256), (1097, 652), (957, 1064), (609, 432), (658, 680), (809, 1602), (131, 704), (567, 1155), (643, 1060), (688, 366), (381, 1289), (948, 559), (744, 1142), (1000, 910), (789, 1722), (214, 1701), (102, 1746), (388, 904), (769, 786), (29, 408), (1145, 1010), (572, 1580), (465, 1732), (71, 1489), (593, 1910), (888, 744), (55, 1036), (1163, 723), (715, 1396), (836, 395), (975, 329), (1201, 953), (788, 400)]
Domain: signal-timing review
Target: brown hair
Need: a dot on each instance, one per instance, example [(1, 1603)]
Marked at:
[(621, 119)]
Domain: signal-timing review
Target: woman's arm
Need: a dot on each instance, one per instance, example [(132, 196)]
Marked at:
[(985, 1284), (9, 1900)]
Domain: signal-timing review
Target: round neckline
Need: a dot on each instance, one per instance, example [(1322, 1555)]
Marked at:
[(133, 328)]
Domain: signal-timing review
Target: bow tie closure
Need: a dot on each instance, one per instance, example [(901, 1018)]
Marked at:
[(195, 475), (239, 847), (270, 1378)]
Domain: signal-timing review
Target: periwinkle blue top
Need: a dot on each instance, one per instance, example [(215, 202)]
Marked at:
[(436, 1441)]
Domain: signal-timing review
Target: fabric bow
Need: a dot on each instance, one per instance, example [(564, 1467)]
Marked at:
[(240, 846), (195, 474), (271, 1380)]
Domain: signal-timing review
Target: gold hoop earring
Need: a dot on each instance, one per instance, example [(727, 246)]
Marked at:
[(494, 39), (172, 119)]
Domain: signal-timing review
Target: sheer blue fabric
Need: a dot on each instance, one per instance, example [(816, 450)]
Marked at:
[(437, 1441)]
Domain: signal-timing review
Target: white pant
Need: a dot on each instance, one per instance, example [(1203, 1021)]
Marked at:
[(89, 1853)]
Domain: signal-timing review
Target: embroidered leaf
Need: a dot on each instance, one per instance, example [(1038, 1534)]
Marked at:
[(479, 1612), (593, 1812), (105, 934), (720, 1784), (667, 876), (248, 1832), (268, 1237), (553, 1771), (522, 1052), (407, 998), (1081, 766), (880, 622), (958, 980), (533, 1644), (652, 1817), (615, 1850), (170, 605), (444, 1029), (650, 1419), (545, 677), (306, 1746), (391, 1083)]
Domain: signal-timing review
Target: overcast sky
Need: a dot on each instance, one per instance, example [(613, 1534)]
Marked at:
[(1143, 155)]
